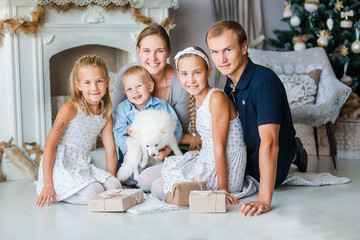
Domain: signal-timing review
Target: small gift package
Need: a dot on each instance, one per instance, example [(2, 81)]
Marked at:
[(180, 192), (117, 200), (207, 201)]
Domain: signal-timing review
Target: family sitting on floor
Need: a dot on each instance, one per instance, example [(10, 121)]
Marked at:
[(246, 129)]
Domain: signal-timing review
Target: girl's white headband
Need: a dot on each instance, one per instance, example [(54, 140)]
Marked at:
[(191, 50)]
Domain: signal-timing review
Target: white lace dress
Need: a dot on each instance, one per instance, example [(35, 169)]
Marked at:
[(72, 170), (200, 165)]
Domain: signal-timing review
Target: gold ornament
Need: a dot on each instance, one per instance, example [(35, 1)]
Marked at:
[(345, 78), (287, 10), (299, 42), (344, 51), (338, 5), (311, 5), (323, 38), (346, 23), (287, 6)]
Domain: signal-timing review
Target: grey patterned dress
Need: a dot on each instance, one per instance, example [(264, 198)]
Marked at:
[(72, 170), (200, 165)]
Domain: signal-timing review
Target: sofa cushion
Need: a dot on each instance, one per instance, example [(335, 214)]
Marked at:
[(301, 88)]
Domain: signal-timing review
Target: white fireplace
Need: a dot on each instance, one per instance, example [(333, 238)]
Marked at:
[(25, 76)]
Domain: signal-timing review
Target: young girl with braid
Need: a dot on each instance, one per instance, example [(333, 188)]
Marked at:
[(65, 172), (221, 161)]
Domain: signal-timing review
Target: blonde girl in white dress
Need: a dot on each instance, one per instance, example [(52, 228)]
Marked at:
[(65, 172), (222, 158)]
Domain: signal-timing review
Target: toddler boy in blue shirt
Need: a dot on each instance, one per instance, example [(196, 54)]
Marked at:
[(138, 85)]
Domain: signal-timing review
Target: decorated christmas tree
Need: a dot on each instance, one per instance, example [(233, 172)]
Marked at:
[(331, 24)]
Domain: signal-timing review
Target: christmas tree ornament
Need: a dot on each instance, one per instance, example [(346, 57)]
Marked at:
[(323, 38), (340, 19), (330, 23), (344, 50), (355, 46), (346, 23), (295, 21), (311, 5), (345, 78), (287, 10), (299, 42), (299, 46), (338, 5)]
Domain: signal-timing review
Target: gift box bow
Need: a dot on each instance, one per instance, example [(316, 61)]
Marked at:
[(119, 192), (208, 193), (347, 14)]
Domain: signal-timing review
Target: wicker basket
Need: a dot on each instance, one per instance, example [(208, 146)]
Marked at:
[(347, 139)]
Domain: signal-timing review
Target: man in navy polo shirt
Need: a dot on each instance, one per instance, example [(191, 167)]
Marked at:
[(261, 101)]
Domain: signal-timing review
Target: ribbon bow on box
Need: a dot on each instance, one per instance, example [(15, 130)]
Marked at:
[(118, 192), (348, 14), (117, 200)]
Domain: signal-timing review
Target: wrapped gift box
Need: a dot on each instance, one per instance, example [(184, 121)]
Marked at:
[(207, 201), (180, 192), (117, 200)]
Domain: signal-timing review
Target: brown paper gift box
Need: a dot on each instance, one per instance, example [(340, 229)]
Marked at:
[(180, 192), (207, 201), (118, 200)]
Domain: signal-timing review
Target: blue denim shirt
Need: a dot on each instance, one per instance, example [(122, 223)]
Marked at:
[(126, 112)]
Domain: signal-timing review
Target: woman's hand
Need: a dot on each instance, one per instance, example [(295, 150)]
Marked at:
[(253, 208), (230, 199), (46, 194)]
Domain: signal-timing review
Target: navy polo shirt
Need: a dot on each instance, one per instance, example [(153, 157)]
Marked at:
[(260, 98)]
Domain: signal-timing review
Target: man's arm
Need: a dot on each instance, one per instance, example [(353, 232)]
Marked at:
[(268, 154)]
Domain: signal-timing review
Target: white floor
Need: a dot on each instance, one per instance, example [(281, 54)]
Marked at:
[(328, 212)]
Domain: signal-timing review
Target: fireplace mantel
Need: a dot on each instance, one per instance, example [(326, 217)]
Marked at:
[(25, 101)]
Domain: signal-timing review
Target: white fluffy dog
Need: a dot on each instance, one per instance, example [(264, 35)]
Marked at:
[(151, 130)]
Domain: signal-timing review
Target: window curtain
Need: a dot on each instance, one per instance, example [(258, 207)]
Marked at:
[(246, 12)]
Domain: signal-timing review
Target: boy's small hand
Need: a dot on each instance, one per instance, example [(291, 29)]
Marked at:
[(124, 159), (128, 130), (161, 156), (163, 153)]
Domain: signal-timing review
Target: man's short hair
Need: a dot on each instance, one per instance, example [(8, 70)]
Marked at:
[(218, 28)]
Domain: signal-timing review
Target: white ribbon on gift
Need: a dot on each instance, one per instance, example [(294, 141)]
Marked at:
[(347, 14), (205, 193), (117, 192)]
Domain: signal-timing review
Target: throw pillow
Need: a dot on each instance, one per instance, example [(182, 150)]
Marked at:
[(301, 89)]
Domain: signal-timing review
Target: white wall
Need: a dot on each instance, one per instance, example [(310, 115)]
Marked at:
[(273, 12), (194, 17)]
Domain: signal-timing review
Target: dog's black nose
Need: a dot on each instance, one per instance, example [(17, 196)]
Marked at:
[(153, 155)]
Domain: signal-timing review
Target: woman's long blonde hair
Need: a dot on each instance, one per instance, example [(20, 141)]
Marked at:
[(194, 146), (76, 95)]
